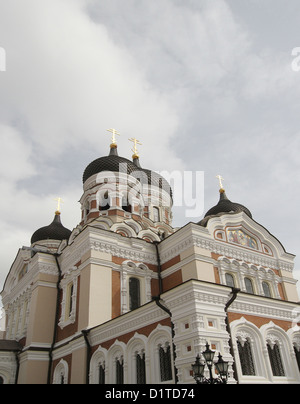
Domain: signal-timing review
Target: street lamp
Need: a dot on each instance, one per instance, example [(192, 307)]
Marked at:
[(221, 366)]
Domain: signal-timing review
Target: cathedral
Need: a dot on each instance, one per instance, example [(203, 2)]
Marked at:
[(126, 298)]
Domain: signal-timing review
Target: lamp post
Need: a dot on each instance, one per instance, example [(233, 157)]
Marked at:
[(221, 366)]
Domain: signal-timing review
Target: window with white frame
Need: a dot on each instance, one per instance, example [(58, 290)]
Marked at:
[(297, 354), (249, 285), (229, 280), (266, 289), (140, 367), (156, 215), (119, 368), (69, 291), (101, 373), (165, 362), (275, 359), (98, 367), (135, 285), (161, 356), (250, 278), (134, 293), (246, 357), (60, 375)]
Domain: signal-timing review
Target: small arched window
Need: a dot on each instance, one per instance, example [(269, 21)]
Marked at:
[(104, 202), (246, 358), (156, 217), (165, 363), (297, 353), (275, 359), (229, 280), (70, 298), (266, 289), (140, 368), (249, 286), (119, 371), (101, 373), (134, 293), (126, 204)]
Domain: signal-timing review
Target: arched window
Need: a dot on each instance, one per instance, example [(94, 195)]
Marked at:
[(266, 289), (119, 371), (60, 375), (297, 353), (249, 285), (104, 202), (70, 299), (155, 214), (101, 373), (125, 204), (275, 359), (246, 358), (165, 363), (134, 293), (1, 380), (229, 280), (87, 208), (140, 368)]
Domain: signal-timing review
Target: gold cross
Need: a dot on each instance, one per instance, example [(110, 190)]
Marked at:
[(114, 133), (135, 142), (220, 178), (59, 201)]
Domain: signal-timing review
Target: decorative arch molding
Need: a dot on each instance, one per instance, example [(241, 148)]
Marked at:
[(123, 228), (99, 358), (275, 335), (61, 372), (148, 235), (103, 222), (243, 330), (140, 271), (269, 246), (137, 345), (8, 367), (134, 225), (271, 334), (116, 353), (159, 338), (258, 274)]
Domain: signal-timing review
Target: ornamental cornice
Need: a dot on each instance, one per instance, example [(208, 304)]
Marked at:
[(109, 243), (274, 310), (190, 236), (127, 323)]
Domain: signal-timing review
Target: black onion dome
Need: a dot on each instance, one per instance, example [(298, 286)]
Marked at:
[(113, 162), (158, 181), (152, 177), (224, 206), (55, 231), (109, 163)]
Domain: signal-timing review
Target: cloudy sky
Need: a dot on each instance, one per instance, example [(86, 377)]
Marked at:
[(205, 86)]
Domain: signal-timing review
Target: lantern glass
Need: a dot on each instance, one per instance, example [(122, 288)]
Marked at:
[(222, 367), (198, 368), (208, 355)]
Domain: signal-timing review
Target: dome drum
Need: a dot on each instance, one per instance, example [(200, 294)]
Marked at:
[(113, 184)]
